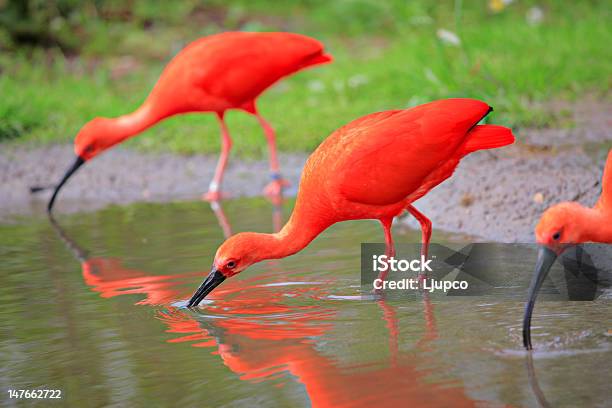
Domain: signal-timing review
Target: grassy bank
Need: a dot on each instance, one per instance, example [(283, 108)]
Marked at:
[(388, 55)]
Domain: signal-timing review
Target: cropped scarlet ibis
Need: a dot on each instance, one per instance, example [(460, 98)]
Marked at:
[(562, 226), (373, 168), (213, 74)]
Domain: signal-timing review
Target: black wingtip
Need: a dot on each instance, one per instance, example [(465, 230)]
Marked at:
[(483, 116)]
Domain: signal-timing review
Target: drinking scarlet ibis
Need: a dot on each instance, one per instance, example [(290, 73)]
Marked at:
[(562, 226), (373, 168), (213, 74)]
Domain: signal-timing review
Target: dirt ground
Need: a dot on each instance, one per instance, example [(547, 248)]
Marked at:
[(494, 195)]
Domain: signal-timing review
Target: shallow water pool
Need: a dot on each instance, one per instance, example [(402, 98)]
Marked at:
[(93, 307)]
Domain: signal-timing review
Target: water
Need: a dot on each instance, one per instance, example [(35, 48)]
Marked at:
[(97, 311)]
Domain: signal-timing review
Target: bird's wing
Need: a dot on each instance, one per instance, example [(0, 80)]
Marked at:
[(238, 67), (384, 157), (229, 70)]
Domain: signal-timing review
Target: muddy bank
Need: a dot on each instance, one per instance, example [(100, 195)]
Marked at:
[(500, 196), (495, 195), (122, 176)]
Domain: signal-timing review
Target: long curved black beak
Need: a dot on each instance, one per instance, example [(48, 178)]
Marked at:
[(212, 281), (75, 166), (546, 258)]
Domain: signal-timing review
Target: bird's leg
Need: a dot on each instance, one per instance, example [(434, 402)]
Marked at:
[(425, 228), (275, 187), (425, 233), (214, 193), (430, 321), (389, 245)]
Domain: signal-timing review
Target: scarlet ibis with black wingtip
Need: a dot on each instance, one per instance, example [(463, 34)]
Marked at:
[(373, 168), (213, 74)]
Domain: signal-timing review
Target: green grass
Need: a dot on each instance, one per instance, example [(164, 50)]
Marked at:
[(387, 56)]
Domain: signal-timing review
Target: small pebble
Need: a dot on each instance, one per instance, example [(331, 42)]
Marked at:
[(538, 198), (466, 200)]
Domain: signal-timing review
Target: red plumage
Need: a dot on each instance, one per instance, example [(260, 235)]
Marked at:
[(230, 70), (213, 74), (373, 168)]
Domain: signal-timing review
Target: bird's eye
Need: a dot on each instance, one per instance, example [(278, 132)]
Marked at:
[(231, 265), (89, 149), (556, 236)]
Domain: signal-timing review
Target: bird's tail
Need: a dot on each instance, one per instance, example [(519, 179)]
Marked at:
[(605, 200), (484, 137)]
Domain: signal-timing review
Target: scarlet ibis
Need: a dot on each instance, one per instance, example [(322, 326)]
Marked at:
[(372, 168), (563, 225), (257, 348), (213, 74)]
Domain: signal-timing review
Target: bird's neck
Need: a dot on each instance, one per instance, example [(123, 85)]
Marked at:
[(597, 224), (133, 123), (297, 233)]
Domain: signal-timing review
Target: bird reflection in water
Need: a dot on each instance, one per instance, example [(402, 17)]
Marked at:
[(261, 335), (110, 278), (260, 349), (224, 222)]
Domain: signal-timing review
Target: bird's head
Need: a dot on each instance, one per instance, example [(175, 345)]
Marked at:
[(91, 140), (235, 255), (239, 252), (558, 229)]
